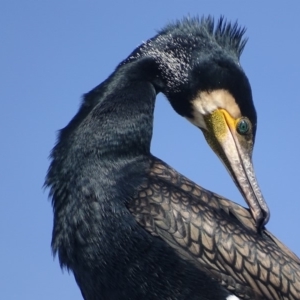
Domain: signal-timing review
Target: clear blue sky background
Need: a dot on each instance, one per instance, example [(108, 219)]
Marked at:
[(51, 52)]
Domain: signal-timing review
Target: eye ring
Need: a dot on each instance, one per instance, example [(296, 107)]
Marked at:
[(243, 126)]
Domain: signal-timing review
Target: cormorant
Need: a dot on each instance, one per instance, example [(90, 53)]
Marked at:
[(131, 227)]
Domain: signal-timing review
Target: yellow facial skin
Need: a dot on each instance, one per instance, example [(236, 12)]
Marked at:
[(235, 151)]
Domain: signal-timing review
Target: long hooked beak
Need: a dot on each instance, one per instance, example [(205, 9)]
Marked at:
[(235, 151)]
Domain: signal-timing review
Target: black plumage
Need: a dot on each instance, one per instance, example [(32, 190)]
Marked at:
[(131, 227)]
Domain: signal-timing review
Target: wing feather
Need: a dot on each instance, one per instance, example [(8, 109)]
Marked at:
[(217, 235)]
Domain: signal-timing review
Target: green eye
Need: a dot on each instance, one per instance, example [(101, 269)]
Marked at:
[(243, 126)]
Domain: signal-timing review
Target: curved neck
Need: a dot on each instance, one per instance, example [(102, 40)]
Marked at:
[(115, 117), (123, 121)]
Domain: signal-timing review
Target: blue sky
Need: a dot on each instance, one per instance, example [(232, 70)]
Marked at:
[(54, 51)]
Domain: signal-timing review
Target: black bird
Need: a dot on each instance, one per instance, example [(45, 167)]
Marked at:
[(131, 227)]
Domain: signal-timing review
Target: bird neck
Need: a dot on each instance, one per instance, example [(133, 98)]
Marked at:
[(107, 142), (124, 118), (115, 119)]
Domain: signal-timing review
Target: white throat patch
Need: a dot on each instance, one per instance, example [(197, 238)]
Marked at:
[(207, 102)]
